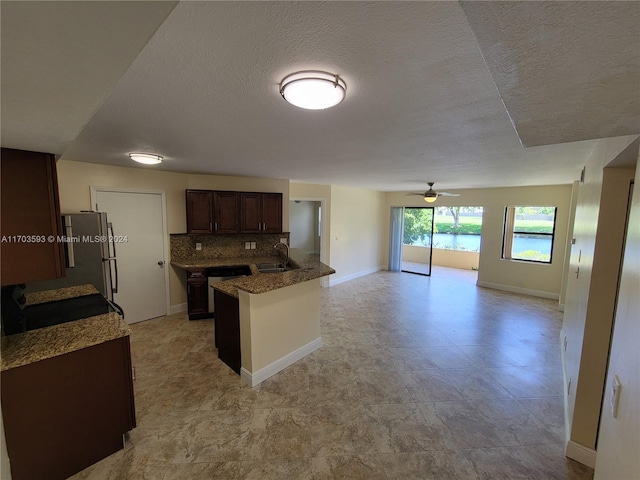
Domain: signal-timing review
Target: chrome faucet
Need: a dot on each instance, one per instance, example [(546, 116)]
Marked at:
[(287, 247)]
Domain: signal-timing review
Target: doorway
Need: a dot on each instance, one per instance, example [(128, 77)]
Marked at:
[(139, 228), (307, 226), (411, 240)]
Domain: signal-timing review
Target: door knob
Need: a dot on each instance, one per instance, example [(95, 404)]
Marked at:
[(160, 262)]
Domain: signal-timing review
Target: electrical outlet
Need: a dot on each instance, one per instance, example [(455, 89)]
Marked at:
[(283, 240), (247, 245), (198, 246), (253, 245)]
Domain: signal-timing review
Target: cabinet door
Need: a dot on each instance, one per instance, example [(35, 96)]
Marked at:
[(250, 212), (30, 218), (199, 211), (71, 409), (272, 213), (226, 212), (197, 294)]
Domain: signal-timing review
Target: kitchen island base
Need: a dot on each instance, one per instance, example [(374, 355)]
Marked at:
[(278, 328)]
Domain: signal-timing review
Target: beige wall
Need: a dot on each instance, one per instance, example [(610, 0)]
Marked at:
[(543, 279), (441, 256), (359, 232), (587, 336), (619, 438), (75, 178), (276, 323)]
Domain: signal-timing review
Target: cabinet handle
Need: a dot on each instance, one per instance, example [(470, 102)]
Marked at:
[(210, 226), (215, 226)]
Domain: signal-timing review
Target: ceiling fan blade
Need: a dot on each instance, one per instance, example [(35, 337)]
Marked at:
[(446, 194), (415, 193)]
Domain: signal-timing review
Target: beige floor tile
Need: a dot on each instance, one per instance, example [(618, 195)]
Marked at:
[(418, 378)]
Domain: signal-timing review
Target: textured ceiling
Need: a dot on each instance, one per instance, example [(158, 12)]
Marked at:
[(421, 103), (566, 71), (60, 60)]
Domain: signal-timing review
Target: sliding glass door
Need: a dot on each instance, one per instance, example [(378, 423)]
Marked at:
[(417, 240)]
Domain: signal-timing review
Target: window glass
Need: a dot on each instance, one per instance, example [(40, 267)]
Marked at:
[(529, 233)]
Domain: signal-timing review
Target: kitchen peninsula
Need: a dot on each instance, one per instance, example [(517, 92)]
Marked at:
[(264, 321)]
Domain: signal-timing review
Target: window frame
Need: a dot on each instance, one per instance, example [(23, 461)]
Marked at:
[(514, 232)]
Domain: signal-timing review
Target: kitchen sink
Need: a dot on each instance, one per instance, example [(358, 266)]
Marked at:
[(273, 267)]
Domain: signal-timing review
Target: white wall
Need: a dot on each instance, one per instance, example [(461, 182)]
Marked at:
[(619, 438), (359, 232), (526, 277), (303, 224), (590, 295)]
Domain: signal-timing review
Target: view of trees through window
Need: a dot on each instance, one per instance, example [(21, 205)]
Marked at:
[(455, 228), (528, 233)]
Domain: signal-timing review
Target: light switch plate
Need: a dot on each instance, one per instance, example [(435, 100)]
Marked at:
[(198, 246), (253, 245)]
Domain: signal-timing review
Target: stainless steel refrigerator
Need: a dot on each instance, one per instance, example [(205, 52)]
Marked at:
[(90, 255)]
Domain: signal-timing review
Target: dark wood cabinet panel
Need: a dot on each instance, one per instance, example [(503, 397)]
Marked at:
[(197, 294), (250, 213), (225, 212), (66, 413), (272, 212), (199, 211), (227, 330), (30, 215), (210, 211)]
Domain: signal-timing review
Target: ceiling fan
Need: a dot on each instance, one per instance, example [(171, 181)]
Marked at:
[(431, 195)]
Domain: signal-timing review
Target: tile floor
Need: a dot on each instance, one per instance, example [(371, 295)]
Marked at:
[(419, 378)]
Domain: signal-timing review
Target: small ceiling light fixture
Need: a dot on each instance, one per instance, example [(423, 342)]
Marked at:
[(313, 90), (146, 158), (430, 198)]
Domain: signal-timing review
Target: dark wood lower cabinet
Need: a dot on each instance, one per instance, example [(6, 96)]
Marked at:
[(197, 294), (66, 413), (227, 330)]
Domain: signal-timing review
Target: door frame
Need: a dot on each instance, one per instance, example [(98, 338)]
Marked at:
[(324, 281), (165, 232)]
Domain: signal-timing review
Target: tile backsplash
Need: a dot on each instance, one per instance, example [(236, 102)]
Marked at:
[(183, 246)]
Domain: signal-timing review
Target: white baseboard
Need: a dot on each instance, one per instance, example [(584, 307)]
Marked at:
[(361, 273), (253, 379), (581, 454), (181, 307), (525, 291)]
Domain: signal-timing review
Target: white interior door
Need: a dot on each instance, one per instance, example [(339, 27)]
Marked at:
[(138, 220)]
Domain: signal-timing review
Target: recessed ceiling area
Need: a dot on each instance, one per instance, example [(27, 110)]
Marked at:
[(421, 103), (60, 60), (566, 71)]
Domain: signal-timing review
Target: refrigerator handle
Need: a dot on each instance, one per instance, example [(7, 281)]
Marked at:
[(112, 243), (71, 260)]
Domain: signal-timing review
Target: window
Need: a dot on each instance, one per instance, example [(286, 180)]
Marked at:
[(528, 233)]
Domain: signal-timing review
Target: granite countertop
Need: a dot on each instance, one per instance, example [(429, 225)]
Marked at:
[(308, 267), (43, 343), (45, 296)]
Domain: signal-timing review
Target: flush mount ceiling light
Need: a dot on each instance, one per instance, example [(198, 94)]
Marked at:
[(146, 158), (313, 90)]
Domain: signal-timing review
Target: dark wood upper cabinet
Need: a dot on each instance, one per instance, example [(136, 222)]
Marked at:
[(260, 213), (212, 212), (199, 211), (30, 221), (225, 212), (250, 213), (272, 212)]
